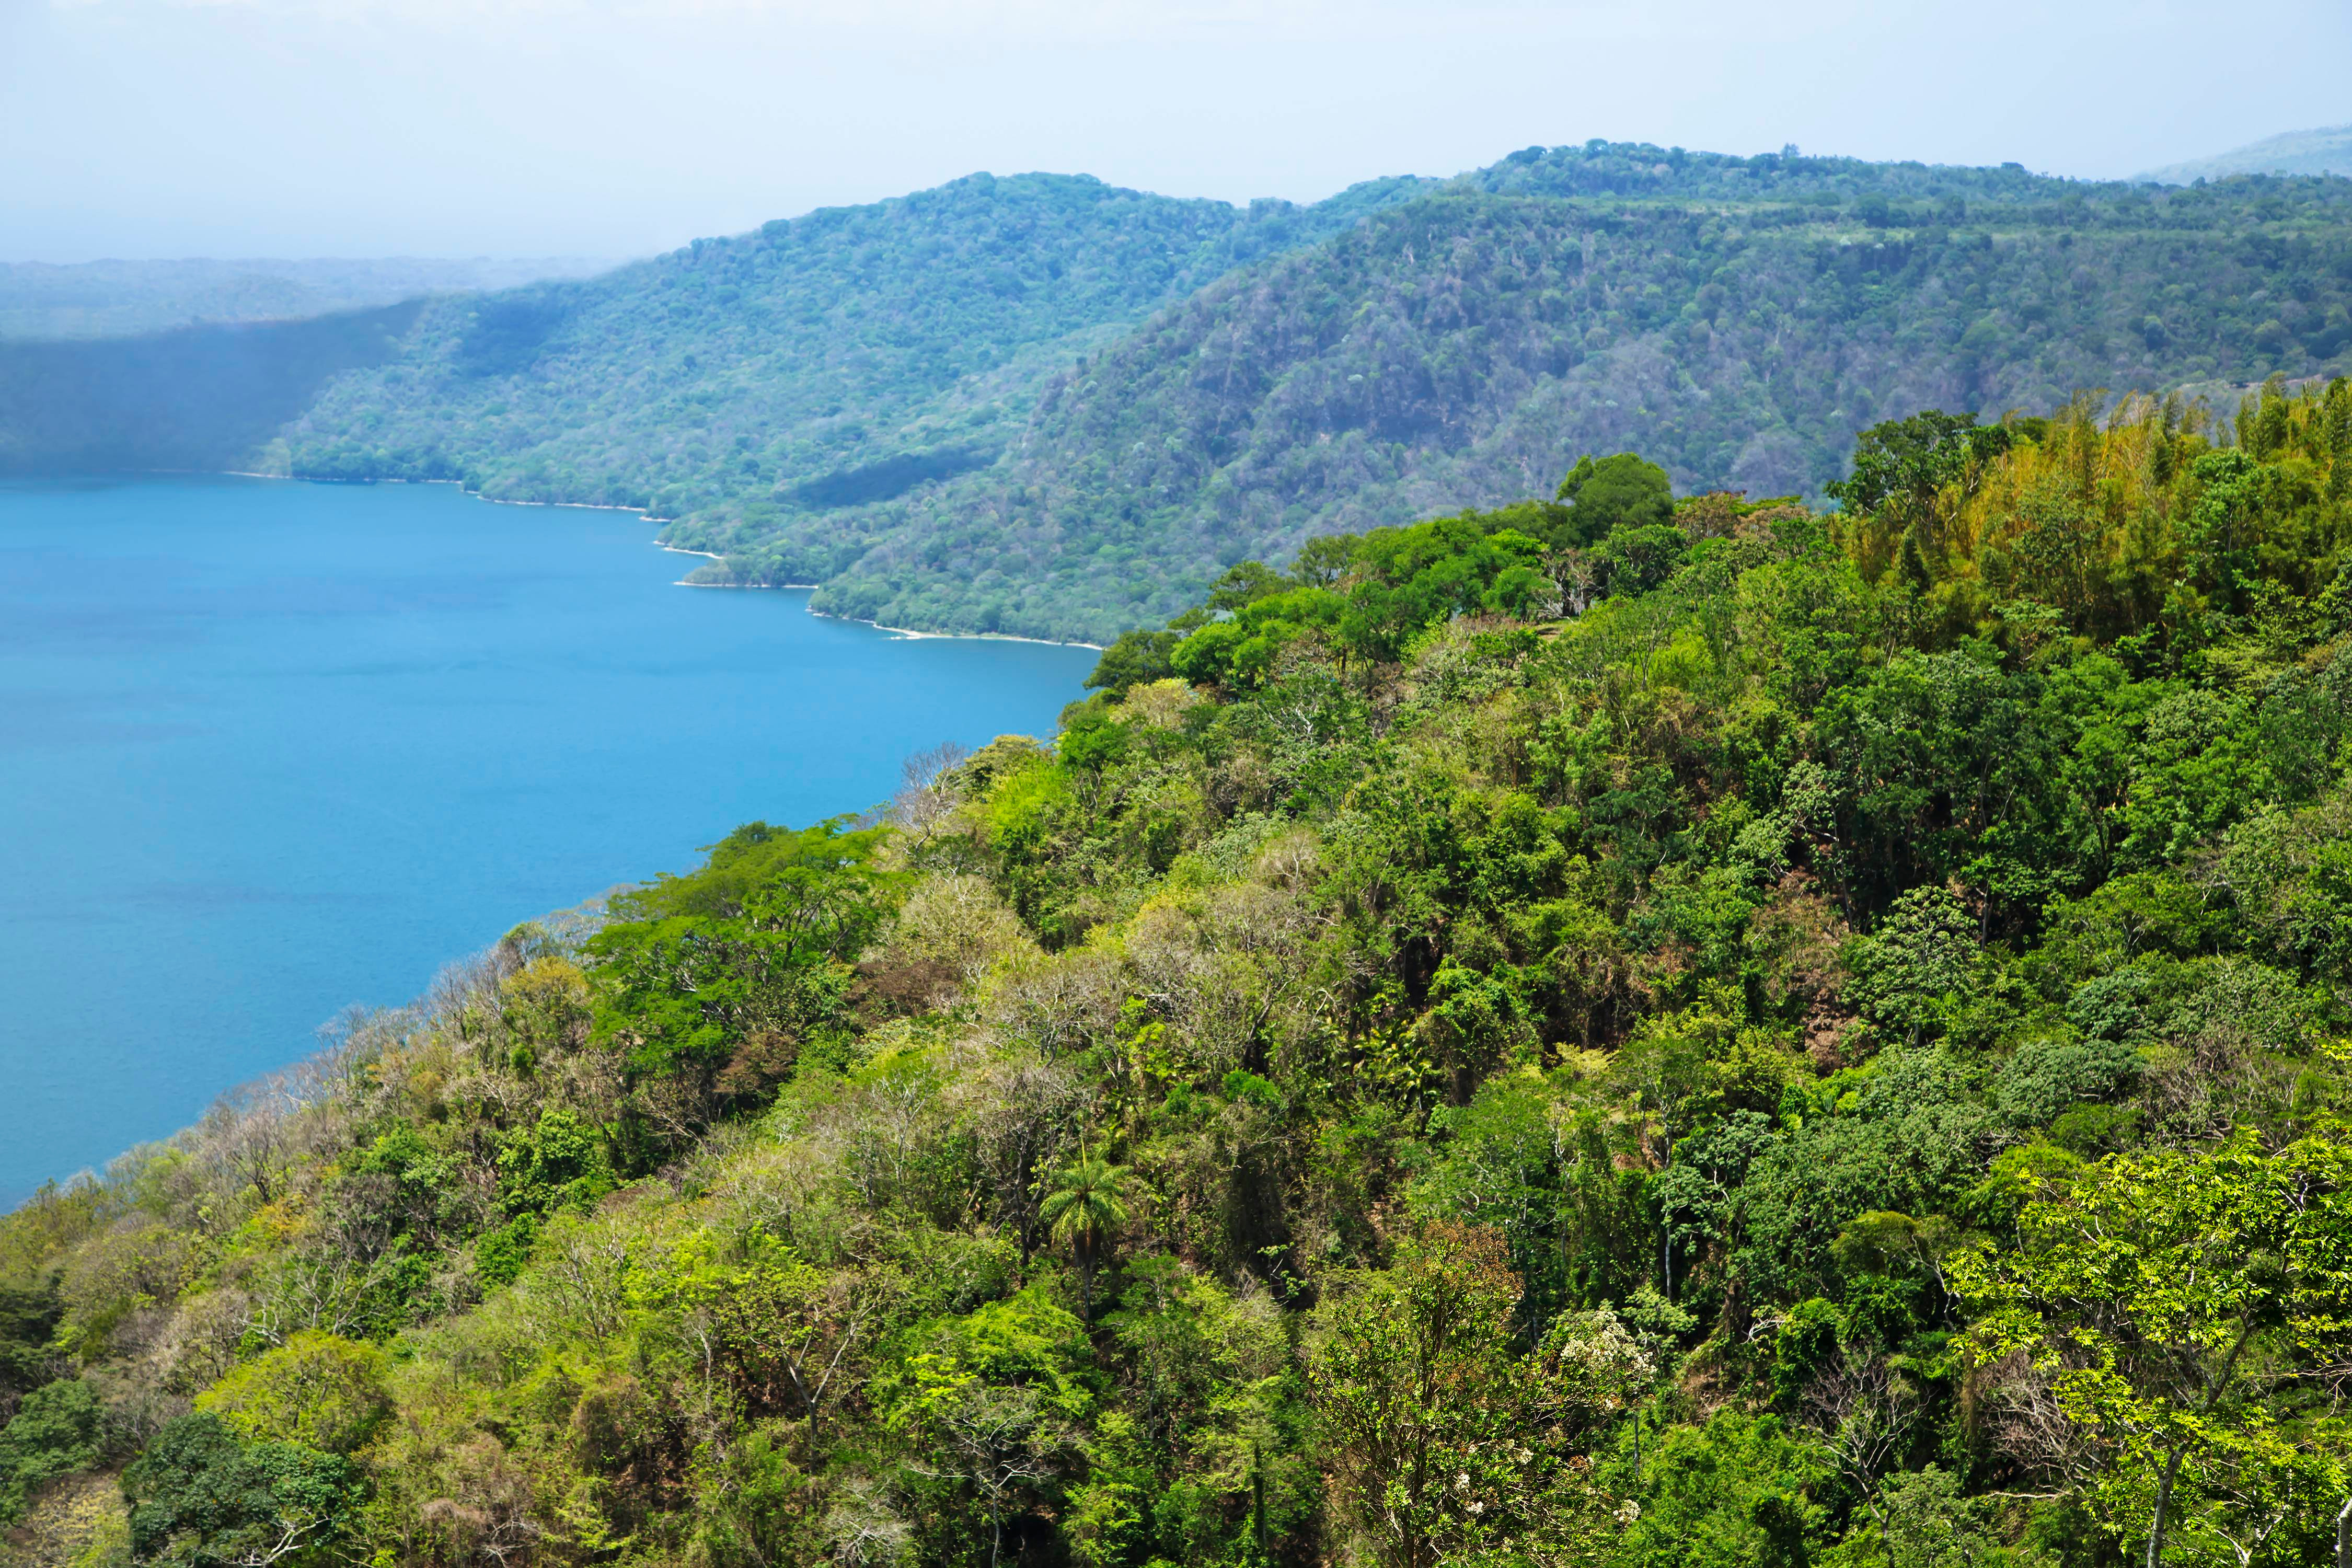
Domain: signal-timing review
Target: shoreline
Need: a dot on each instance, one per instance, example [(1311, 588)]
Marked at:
[(911, 634), (907, 633)]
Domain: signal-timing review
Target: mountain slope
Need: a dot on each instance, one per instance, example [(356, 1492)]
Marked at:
[(835, 357), (2327, 150), (1790, 1064), (1468, 346)]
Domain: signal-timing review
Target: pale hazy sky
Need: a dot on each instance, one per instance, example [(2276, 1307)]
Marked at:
[(157, 128)]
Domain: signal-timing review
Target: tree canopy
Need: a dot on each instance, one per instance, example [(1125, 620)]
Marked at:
[(1762, 1036)]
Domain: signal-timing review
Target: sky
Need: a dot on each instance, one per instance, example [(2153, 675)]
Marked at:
[(615, 128)]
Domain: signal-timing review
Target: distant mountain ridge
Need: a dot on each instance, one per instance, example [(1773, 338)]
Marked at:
[(2326, 151), (199, 399), (1041, 405), (41, 300)]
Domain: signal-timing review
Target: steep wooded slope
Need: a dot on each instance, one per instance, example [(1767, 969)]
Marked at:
[(835, 358), (1836, 1053), (1462, 346)]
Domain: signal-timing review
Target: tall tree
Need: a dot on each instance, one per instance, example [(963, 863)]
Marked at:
[(2166, 1304), (1420, 1398), (1083, 1203)]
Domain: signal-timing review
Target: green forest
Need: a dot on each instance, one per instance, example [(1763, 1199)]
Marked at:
[(816, 363), (1739, 321), (1607, 1028)]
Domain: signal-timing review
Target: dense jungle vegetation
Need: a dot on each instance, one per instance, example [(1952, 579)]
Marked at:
[(1611, 1030)]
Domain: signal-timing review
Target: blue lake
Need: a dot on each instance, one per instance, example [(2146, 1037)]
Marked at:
[(268, 750)]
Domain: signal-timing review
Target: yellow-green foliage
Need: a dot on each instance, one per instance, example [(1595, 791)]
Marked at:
[(2127, 516), (78, 1523), (315, 1389)]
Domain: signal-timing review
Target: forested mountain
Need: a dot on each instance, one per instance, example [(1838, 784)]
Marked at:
[(43, 301), (1738, 320), (1613, 1030), (2322, 152), (822, 362), (846, 356)]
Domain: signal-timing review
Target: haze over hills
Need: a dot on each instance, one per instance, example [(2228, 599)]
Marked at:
[(2326, 150), (1041, 404), (122, 298), (200, 399)]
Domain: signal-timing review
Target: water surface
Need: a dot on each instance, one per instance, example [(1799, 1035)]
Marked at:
[(268, 750)]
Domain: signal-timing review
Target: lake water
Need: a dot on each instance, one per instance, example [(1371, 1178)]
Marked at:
[(268, 750)]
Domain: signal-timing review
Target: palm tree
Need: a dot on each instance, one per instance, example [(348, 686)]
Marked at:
[(1083, 1202)]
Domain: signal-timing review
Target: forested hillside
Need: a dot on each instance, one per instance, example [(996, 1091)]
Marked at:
[(1738, 320), (1611, 1030), (833, 359)]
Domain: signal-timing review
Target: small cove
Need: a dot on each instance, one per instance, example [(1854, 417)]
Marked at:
[(268, 750)]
